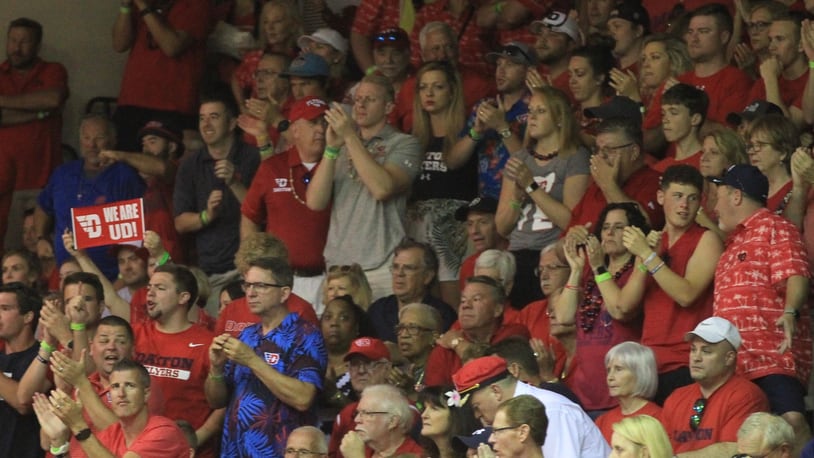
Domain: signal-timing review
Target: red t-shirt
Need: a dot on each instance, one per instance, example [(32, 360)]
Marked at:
[(271, 201), (154, 80), (534, 317), (179, 365), (724, 413), (158, 216), (161, 437), (236, 316), (776, 203), (32, 150), (660, 10), (155, 405), (345, 423), (641, 187), (693, 160), (375, 15), (408, 447), (605, 421), (790, 90), (725, 90), (750, 291), (444, 362), (665, 322)]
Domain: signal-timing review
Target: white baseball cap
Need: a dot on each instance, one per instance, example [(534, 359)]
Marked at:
[(716, 329), (326, 36)]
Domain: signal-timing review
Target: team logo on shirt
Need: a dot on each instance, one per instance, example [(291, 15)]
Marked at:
[(282, 185), (271, 358)]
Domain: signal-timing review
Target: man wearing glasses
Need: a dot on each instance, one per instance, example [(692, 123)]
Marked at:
[(702, 419), (276, 197), (269, 377), (486, 382), (413, 271), (368, 364), (618, 168), (306, 442), (383, 419)]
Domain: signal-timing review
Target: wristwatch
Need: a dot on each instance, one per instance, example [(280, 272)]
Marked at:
[(506, 133), (83, 435), (532, 187), (795, 313)]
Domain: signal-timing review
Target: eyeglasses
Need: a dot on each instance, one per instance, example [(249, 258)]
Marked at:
[(301, 452), (412, 330), (259, 286), (368, 413), (606, 151), (504, 428), (757, 146), (698, 413), (548, 269), (405, 269), (758, 26), (368, 366)]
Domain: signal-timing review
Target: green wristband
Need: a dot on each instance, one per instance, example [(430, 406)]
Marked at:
[(605, 276), (204, 218), (331, 152), (515, 205), (77, 326), (47, 347), (811, 64), (163, 260), (474, 135)]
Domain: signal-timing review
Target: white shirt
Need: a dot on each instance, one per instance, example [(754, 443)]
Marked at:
[(571, 433)]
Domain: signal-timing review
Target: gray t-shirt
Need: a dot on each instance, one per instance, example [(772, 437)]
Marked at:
[(534, 230), (364, 230)]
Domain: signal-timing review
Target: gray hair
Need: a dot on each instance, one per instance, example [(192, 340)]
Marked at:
[(641, 361), (774, 429), (502, 261), (426, 312), (434, 26), (390, 399), (317, 436)]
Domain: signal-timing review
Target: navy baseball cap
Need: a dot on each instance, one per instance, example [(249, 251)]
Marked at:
[(746, 178)]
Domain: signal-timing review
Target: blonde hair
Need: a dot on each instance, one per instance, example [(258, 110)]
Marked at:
[(292, 13), (454, 117), (559, 107), (645, 431), (360, 288), (731, 145)]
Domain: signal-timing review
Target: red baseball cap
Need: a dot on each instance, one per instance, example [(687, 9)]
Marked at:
[(479, 373), (309, 108), (370, 348)]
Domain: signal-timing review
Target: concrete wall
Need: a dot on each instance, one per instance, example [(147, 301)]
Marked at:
[(77, 33)]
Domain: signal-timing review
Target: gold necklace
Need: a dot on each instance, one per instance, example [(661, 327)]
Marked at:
[(306, 179)]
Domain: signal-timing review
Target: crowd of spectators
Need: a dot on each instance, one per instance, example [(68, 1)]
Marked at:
[(449, 228)]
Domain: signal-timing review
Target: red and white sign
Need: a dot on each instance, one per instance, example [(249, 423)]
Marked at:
[(108, 224)]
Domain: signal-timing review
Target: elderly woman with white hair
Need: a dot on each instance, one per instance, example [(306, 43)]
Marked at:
[(500, 265), (632, 381)]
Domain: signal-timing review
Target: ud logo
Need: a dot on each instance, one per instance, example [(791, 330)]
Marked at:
[(271, 358), (281, 182), (91, 224)]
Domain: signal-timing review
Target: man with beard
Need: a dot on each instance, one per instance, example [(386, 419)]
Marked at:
[(557, 36), (161, 147), (32, 93)]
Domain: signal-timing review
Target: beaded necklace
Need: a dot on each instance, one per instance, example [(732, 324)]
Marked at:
[(592, 300)]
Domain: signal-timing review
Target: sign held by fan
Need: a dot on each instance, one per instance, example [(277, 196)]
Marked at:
[(108, 224)]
